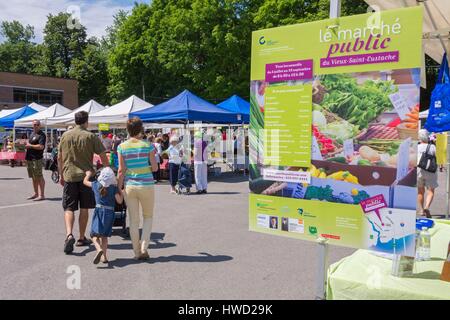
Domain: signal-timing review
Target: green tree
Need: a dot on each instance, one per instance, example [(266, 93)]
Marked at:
[(17, 52), (91, 73), (64, 41)]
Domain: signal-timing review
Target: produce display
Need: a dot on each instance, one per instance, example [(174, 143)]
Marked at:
[(358, 104), (361, 110)]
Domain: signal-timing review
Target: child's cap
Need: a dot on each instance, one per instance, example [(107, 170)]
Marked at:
[(107, 177)]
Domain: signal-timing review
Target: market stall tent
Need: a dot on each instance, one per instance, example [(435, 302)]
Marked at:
[(33, 105), (184, 108), (37, 107), (118, 113), (51, 112), (24, 112), (90, 107), (238, 106)]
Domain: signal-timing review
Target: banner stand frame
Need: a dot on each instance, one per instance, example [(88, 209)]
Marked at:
[(323, 259)]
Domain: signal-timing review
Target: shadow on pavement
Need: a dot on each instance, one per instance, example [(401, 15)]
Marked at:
[(156, 237), (84, 252), (204, 257), (53, 199)]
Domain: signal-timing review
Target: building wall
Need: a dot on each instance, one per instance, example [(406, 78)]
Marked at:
[(8, 81)]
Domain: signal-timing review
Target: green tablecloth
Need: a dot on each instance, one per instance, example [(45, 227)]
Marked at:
[(364, 276)]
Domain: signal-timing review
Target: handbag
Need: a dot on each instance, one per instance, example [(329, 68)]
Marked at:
[(439, 114), (428, 161)]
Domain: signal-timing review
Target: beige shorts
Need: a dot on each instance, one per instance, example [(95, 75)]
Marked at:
[(426, 179), (143, 196)]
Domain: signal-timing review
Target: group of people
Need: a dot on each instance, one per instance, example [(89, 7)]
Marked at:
[(133, 180)]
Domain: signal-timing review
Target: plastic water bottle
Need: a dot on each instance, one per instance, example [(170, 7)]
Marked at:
[(425, 241), (418, 246)]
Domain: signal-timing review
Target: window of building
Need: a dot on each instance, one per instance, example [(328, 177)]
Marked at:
[(43, 97)]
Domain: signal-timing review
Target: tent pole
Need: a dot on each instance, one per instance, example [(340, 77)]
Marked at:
[(14, 136)]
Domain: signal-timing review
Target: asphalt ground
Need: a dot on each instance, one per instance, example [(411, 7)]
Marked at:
[(201, 249)]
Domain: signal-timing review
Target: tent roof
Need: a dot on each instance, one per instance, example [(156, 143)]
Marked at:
[(91, 107), (7, 112), (8, 121), (119, 112), (33, 105), (186, 107), (51, 112), (238, 106), (37, 107), (436, 21)]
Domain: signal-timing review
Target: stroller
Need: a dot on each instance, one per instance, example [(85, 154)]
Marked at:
[(120, 220), (120, 212), (52, 165), (184, 180)]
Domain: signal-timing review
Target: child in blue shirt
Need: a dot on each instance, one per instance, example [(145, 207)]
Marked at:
[(106, 193)]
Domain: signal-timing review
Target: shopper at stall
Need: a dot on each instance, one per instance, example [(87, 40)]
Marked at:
[(200, 163), (165, 142), (426, 180), (135, 175), (75, 157), (107, 142), (175, 158), (34, 154)]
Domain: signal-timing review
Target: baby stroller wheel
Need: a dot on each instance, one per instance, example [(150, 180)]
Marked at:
[(55, 176)]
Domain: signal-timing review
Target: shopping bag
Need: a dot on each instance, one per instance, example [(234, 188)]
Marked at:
[(439, 114)]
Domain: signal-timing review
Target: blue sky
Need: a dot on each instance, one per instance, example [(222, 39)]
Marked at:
[(95, 15)]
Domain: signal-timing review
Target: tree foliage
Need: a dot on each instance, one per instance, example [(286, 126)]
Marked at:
[(159, 48)]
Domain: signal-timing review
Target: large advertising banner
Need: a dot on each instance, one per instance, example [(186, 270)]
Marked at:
[(334, 129)]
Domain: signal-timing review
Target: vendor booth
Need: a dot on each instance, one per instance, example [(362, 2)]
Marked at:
[(24, 112), (185, 108), (90, 107), (53, 111), (238, 106), (118, 113)]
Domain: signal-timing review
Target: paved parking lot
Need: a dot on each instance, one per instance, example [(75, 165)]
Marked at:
[(201, 249)]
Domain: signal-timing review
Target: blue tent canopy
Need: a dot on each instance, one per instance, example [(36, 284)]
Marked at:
[(8, 121), (186, 107), (238, 106)]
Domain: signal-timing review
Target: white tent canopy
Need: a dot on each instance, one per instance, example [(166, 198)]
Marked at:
[(51, 112), (60, 122), (118, 113), (35, 106), (436, 23)]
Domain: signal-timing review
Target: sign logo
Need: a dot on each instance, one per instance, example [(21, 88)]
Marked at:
[(300, 211), (312, 230), (262, 41)]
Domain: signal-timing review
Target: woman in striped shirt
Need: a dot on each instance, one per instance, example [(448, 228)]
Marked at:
[(135, 174)]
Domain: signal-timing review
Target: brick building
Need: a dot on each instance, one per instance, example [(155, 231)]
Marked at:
[(18, 89)]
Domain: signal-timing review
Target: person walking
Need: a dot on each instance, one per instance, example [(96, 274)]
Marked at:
[(175, 159), (75, 156), (200, 163), (34, 154), (426, 180), (106, 194), (135, 176), (165, 144)]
